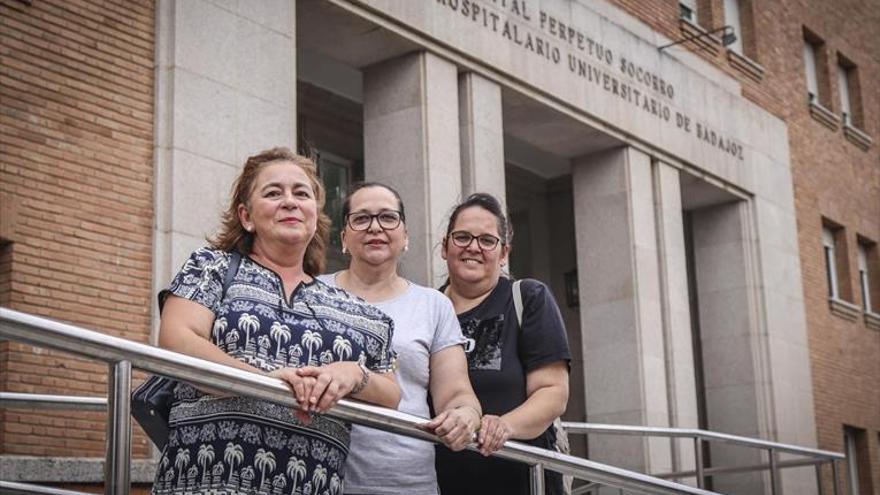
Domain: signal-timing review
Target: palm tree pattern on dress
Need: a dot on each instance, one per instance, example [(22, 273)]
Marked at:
[(239, 445)]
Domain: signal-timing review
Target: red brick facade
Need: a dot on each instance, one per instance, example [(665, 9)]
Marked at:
[(76, 181), (834, 179)]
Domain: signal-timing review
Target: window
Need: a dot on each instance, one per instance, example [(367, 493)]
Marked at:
[(864, 281), (868, 276), (816, 69), (858, 469), (829, 243), (688, 10), (810, 67), (840, 295), (732, 18), (336, 174), (843, 82)]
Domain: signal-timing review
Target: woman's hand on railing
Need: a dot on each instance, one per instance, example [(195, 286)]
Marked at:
[(301, 386), (454, 427), (332, 382), (494, 431)]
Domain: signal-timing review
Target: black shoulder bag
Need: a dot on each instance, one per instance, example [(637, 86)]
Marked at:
[(151, 402)]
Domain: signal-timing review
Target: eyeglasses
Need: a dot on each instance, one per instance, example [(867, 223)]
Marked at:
[(462, 239), (388, 220)]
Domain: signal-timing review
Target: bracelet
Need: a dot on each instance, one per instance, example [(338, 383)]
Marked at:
[(364, 380)]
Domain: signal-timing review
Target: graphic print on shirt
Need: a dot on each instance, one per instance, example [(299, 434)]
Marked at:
[(483, 346)]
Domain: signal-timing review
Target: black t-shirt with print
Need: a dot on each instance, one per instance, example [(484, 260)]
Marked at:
[(500, 354)]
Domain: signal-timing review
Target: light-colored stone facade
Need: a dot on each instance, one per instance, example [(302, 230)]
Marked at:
[(670, 198)]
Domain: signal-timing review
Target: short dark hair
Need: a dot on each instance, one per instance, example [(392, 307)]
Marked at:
[(346, 205), (489, 203)]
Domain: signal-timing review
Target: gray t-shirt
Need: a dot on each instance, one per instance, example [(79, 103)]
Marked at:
[(384, 463)]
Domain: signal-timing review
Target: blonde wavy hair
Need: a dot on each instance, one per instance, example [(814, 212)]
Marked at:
[(233, 236)]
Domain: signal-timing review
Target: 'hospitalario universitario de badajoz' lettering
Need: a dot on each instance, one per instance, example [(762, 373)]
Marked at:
[(584, 56)]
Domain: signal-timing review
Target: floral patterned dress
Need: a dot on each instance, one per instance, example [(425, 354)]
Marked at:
[(242, 445)]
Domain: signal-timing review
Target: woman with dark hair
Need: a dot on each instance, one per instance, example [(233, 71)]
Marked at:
[(518, 361), (273, 318), (427, 338)]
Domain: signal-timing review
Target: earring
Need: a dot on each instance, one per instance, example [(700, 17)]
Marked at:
[(406, 247), (344, 249)]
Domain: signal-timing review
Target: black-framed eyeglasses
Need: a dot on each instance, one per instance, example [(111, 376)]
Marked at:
[(463, 239), (387, 219)]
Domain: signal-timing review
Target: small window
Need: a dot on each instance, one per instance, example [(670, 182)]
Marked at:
[(810, 69), (816, 68), (837, 263), (732, 18), (336, 174), (688, 10), (845, 101), (828, 242), (858, 468), (850, 93), (868, 276)]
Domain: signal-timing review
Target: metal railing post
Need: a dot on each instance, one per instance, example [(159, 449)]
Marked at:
[(698, 460), (819, 478), (117, 468), (775, 488), (835, 477), (536, 473)]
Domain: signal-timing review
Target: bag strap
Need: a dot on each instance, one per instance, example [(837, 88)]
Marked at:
[(231, 270), (517, 300)]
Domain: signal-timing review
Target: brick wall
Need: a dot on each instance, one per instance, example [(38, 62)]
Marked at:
[(833, 178), (76, 137)]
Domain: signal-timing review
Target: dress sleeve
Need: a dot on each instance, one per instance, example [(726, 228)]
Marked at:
[(543, 339), (381, 356), (447, 331), (200, 279)]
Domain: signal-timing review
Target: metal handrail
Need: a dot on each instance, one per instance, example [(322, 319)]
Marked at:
[(123, 355), (816, 457), (13, 488), (17, 399), (655, 431)]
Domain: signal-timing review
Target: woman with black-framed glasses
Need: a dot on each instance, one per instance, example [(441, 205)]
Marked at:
[(428, 342), (518, 361)]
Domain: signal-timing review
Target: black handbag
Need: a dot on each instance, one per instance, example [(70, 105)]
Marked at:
[(151, 401)]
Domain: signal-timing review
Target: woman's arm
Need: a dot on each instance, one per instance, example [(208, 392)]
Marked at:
[(547, 391), (336, 380), (186, 328), (454, 399)]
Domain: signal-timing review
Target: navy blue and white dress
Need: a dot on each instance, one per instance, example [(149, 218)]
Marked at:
[(241, 445)]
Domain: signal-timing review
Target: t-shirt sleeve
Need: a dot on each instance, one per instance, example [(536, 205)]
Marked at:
[(543, 339), (200, 279), (448, 331)]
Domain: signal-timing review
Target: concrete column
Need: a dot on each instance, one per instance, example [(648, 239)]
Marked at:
[(411, 142), (225, 89), (677, 330), (754, 344), (620, 304), (482, 136), (728, 326)]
